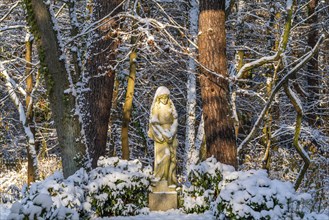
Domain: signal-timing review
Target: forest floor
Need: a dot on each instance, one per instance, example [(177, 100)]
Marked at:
[(169, 215)]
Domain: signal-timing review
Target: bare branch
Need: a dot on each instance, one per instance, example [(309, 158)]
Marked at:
[(290, 74), (10, 10), (282, 47)]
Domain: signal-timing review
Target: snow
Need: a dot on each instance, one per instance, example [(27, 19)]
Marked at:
[(289, 4), (4, 211), (10, 84), (251, 194), (169, 215), (190, 150), (277, 87), (44, 200), (242, 194), (295, 98)]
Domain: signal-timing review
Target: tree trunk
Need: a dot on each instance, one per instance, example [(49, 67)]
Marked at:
[(127, 107), (31, 177), (101, 82), (313, 70), (67, 125), (219, 126), (191, 152)]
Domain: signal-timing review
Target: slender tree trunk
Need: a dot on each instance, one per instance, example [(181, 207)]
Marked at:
[(112, 148), (313, 70), (191, 152), (11, 88), (240, 56), (271, 78), (67, 125), (31, 177), (101, 82), (127, 107), (219, 126)]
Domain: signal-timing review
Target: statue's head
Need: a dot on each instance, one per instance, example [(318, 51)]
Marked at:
[(162, 95)]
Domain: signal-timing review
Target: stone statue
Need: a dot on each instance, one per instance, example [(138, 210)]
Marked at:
[(162, 129)]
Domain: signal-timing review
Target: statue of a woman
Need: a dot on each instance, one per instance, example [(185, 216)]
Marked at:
[(162, 129)]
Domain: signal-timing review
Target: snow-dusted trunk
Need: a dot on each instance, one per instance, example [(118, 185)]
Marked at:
[(32, 155), (299, 110), (100, 74), (239, 57), (31, 174), (60, 90), (192, 154), (75, 50), (271, 79)]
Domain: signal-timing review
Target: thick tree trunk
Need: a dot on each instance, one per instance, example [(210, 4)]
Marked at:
[(99, 68), (313, 70), (219, 127), (67, 125)]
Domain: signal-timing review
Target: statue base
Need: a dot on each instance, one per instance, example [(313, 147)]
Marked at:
[(163, 197)]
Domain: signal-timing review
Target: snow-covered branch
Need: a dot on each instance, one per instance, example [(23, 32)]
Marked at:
[(22, 117), (9, 11), (282, 46), (12, 27), (299, 110), (95, 25), (279, 85)]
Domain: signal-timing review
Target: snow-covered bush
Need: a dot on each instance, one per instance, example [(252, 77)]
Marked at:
[(116, 187), (204, 179), (53, 198), (13, 180), (252, 195)]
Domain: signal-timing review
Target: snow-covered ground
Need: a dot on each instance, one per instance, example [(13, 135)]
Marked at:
[(4, 211), (169, 215)]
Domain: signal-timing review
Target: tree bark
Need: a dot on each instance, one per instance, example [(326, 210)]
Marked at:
[(67, 125), (219, 126), (313, 70), (128, 105), (31, 177), (99, 68)]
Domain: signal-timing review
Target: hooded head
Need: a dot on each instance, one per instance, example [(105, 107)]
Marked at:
[(162, 90), (161, 95)]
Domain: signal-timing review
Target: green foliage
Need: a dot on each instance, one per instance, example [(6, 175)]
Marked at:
[(121, 190), (204, 180), (116, 187)]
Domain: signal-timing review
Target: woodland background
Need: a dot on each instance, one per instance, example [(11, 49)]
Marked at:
[(114, 60)]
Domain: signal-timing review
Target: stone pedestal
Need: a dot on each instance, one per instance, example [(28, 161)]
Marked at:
[(163, 197)]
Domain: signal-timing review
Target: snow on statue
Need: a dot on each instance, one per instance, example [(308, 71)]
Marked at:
[(162, 129)]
